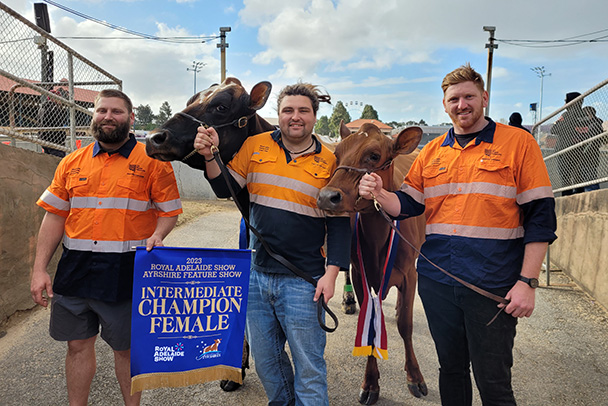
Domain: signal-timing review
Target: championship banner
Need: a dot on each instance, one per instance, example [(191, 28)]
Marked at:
[(188, 316)]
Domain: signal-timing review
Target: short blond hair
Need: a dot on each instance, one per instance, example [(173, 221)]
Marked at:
[(463, 74)]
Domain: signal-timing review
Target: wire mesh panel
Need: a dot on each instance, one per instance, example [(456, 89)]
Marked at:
[(574, 140), (47, 90)]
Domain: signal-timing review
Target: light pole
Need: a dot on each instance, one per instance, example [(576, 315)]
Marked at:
[(491, 47), (222, 46), (196, 67), (540, 72)]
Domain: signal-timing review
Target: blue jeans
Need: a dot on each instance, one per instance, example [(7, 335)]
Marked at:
[(281, 309), (457, 318)]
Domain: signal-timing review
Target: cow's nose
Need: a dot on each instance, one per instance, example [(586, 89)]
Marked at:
[(158, 138), (329, 199)]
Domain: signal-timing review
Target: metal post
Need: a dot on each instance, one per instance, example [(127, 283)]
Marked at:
[(223, 45), (548, 267), (73, 101), (491, 47)]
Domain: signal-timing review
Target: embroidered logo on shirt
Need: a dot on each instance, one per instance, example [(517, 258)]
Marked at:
[(134, 168), (493, 154), (74, 171)]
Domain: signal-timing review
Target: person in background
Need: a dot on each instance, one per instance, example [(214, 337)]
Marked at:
[(490, 215), (283, 171), (104, 200), (590, 126), (515, 120), (567, 130)]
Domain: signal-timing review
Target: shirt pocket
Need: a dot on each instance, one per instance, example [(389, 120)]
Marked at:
[(77, 185), (435, 174), (319, 173), (132, 188), (489, 171)]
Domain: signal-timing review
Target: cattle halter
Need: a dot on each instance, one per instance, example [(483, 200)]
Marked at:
[(362, 171), (238, 123)]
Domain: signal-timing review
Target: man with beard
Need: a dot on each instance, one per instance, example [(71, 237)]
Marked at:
[(104, 200), (490, 215)]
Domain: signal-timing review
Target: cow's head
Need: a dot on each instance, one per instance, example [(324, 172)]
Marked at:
[(226, 107), (367, 150)]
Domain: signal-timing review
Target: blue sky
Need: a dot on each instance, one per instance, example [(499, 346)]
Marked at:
[(391, 54)]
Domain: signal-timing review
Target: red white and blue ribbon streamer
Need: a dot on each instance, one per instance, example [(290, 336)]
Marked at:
[(371, 330)]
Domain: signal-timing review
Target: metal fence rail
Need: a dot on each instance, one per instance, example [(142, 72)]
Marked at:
[(574, 141), (47, 89)]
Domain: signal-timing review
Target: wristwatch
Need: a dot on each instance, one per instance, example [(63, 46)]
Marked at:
[(533, 282)]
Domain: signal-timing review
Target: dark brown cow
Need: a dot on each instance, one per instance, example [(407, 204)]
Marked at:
[(226, 107), (232, 112), (370, 149)]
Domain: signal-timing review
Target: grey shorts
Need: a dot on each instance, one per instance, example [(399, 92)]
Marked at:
[(75, 318)]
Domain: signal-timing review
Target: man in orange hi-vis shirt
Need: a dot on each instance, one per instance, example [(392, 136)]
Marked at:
[(104, 200), (490, 214)]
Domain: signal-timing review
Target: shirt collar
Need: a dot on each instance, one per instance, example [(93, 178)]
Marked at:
[(124, 150), (276, 136), (485, 135)]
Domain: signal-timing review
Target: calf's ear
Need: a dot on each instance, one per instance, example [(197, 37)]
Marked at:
[(344, 130), (259, 95), (407, 140)]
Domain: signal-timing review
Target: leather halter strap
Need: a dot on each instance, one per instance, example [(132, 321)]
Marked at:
[(238, 123), (347, 168)]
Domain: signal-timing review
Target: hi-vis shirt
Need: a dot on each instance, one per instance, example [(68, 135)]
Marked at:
[(283, 195), (482, 203), (111, 204)]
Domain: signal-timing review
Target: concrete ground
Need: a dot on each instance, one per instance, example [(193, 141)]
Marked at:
[(561, 352)]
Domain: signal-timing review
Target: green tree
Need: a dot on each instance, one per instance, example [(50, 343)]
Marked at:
[(369, 113), (322, 126), (396, 124), (339, 113), (422, 122), (164, 114), (144, 117)]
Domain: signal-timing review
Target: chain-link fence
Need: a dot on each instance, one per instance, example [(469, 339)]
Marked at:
[(574, 141), (47, 90)]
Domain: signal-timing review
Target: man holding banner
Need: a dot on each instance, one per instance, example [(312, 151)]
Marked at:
[(283, 171), (104, 200)]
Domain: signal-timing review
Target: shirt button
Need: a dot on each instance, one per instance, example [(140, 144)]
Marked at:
[(95, 242), (459, 189)]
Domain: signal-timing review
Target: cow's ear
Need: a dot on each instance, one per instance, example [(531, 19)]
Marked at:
[(259, 95), (407, 140), (344, 130)]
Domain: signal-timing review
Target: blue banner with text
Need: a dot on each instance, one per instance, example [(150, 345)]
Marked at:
[(188, 317)]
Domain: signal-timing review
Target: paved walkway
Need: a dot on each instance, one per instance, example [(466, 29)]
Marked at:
[(561, 352)]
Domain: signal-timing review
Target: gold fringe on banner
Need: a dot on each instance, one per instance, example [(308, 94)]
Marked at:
[(184, 378)]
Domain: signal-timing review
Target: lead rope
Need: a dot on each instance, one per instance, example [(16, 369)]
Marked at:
[(477, 289), (282, 260)]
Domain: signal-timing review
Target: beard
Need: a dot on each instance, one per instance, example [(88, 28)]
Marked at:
[(118, 134)]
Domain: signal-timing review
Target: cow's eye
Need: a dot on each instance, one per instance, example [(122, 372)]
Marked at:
[(374, 157)]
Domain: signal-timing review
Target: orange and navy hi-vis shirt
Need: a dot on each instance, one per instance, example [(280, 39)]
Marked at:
[(111, 203), (482, 203), (283, 201)]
